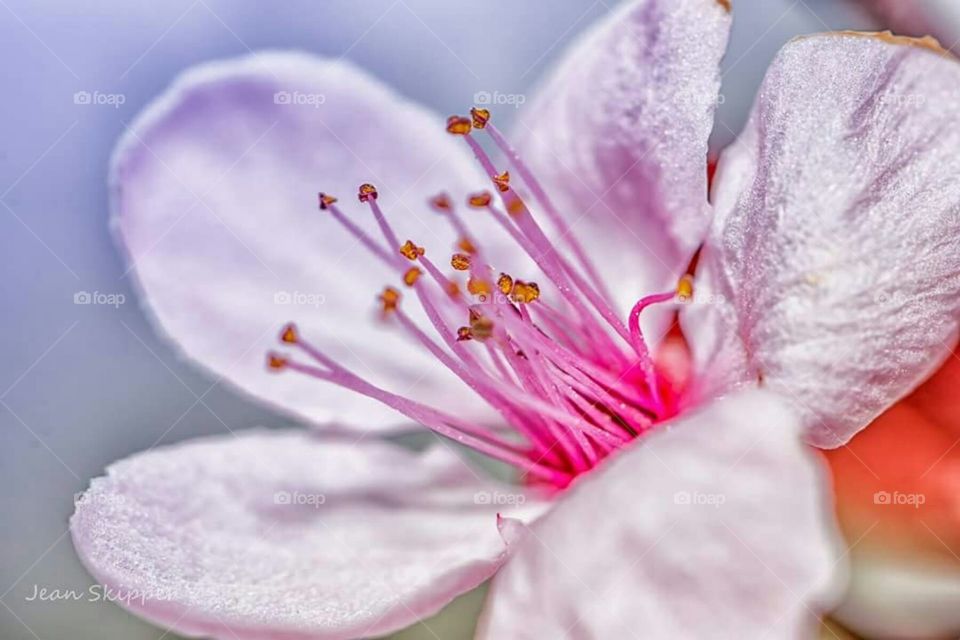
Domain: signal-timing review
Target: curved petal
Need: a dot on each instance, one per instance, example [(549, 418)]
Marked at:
[(713, 527), (215, 200), (283, 535), (833, 266), (619, 136)]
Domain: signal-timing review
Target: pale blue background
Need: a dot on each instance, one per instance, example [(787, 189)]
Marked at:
[(81, 386)]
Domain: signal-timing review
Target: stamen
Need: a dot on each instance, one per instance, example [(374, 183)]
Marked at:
[(367, 192), (389, 300), (572, 378), (480, 117), (460, 261), (410, 251), (411, 276), (458, 125)]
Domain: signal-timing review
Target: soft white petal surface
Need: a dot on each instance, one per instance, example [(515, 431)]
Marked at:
[(215, 199), (619, 136), (832, 273), (715, 527), (286, 535)]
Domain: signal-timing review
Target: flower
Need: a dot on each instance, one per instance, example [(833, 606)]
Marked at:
[(678, 494)]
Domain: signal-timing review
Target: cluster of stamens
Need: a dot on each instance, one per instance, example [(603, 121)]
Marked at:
[(572, 380)]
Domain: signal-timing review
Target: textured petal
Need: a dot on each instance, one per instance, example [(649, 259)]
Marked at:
[(282, 535), (833, 266), (714, 527), (619, 136), (939, 397), (215, 198)]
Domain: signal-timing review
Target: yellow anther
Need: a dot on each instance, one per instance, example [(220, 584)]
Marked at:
[(480, 117), (515, 206), (458, 125), (453, 289), (367, 192), (481, 327), (480, 200), (505, 284), (325, 200), (276, 362), (289, 334), (389, 300), (685, 288), (441, 202), (411, 251), (502, 181), (525, 292), (465, 245), (463, 334), (479, 287), (411, 276), (460, 261)]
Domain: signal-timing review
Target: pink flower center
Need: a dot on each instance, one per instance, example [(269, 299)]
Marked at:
[(566, 374)]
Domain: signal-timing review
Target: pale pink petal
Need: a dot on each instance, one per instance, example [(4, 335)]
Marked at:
[(940, 18), (215, 199), (832, 273), (283, 535), (714, 527), (619, 136)]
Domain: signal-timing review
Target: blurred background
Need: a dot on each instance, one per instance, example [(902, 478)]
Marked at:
[(82, 385)]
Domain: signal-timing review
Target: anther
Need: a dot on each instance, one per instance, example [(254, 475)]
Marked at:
[(464, 334), (502, 181), (480, 117), (325, 200), (525, 292), (367, 192), (505, 283), (465, 245), (276, 362), (410, 251), (289, 334), (460, 261), (479, 287), (389, 300), (458, 125), (479, 200), (441, 202), (481, 327), (685, 288), (411, 276)]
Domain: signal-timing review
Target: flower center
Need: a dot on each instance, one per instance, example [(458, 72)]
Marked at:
[(569, 377)]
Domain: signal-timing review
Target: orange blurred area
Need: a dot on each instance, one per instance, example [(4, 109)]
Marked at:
[(897, 483)]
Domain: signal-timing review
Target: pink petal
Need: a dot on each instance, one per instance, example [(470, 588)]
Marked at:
[(832, 273), (283, 535), (713, 527), (215, 198), (619, 135)]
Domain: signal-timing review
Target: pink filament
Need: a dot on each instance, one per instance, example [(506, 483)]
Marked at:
[(560, 376)]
